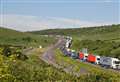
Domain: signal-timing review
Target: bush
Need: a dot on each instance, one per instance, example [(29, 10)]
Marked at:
[(7, 51)]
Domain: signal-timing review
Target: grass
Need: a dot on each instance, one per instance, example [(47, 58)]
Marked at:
[(98, 40), (35, 70), (31, 70), (93, 33), (99, 47), (102, 40), (12, 37), (91, 70)]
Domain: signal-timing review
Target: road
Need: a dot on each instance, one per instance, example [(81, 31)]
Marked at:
[(49, 57)]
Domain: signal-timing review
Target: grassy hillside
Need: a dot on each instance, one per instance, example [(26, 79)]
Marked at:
[(103, 40), (96, 74), (90, 33), (79, 31), (35, 70), (14, 69), (12, 37), (29, 70)]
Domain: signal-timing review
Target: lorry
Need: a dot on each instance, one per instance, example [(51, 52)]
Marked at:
[(74, 54), (66, 51), (93, 59), (83, 56), (110, 62), (68, 42)]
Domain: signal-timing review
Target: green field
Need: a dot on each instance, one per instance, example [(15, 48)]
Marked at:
[(12, 37), (103, 40)]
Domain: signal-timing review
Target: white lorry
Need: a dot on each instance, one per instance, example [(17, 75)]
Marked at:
[(110, 62), (68, 42), (97, 61)]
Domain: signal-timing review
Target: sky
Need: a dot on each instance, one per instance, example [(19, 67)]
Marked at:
[(28, 15)]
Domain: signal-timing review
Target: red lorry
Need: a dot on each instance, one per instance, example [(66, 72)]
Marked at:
[(91, 58), (81, 55)]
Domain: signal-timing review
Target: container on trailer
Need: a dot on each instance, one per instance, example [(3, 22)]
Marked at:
[(68, 41), (91, 58), (110, 62), (106, 61), (81, 55)]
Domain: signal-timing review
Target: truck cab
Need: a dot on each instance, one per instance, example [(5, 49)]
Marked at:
[(74, 55), (115, 63), (97, 60)]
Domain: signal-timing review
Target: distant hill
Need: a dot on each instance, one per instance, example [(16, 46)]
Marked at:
[(90, 33), (78, 31), (102, 40), (13, 37)]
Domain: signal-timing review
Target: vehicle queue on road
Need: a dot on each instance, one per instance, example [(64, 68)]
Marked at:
[(107, 62)]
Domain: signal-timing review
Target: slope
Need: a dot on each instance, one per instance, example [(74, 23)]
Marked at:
[(103, 40), (13, 37)]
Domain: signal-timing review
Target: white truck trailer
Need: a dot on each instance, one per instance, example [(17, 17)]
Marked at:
[(110, 62)]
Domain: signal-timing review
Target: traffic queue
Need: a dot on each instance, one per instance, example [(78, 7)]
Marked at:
[(106, 62)]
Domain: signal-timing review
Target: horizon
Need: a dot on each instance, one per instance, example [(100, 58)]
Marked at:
[(56, 28), (39, 15)]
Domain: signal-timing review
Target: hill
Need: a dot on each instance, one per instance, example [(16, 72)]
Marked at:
[(103, 40), (13, 37), (14, 68), (35, 70)]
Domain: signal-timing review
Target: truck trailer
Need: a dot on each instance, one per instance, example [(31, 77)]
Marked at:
[(93, 59), (83, 56), (110, 62)]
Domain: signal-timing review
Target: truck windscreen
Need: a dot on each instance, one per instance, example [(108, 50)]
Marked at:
[(117, 62)]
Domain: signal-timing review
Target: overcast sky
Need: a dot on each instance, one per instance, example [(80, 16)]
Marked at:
[(27, 15)]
